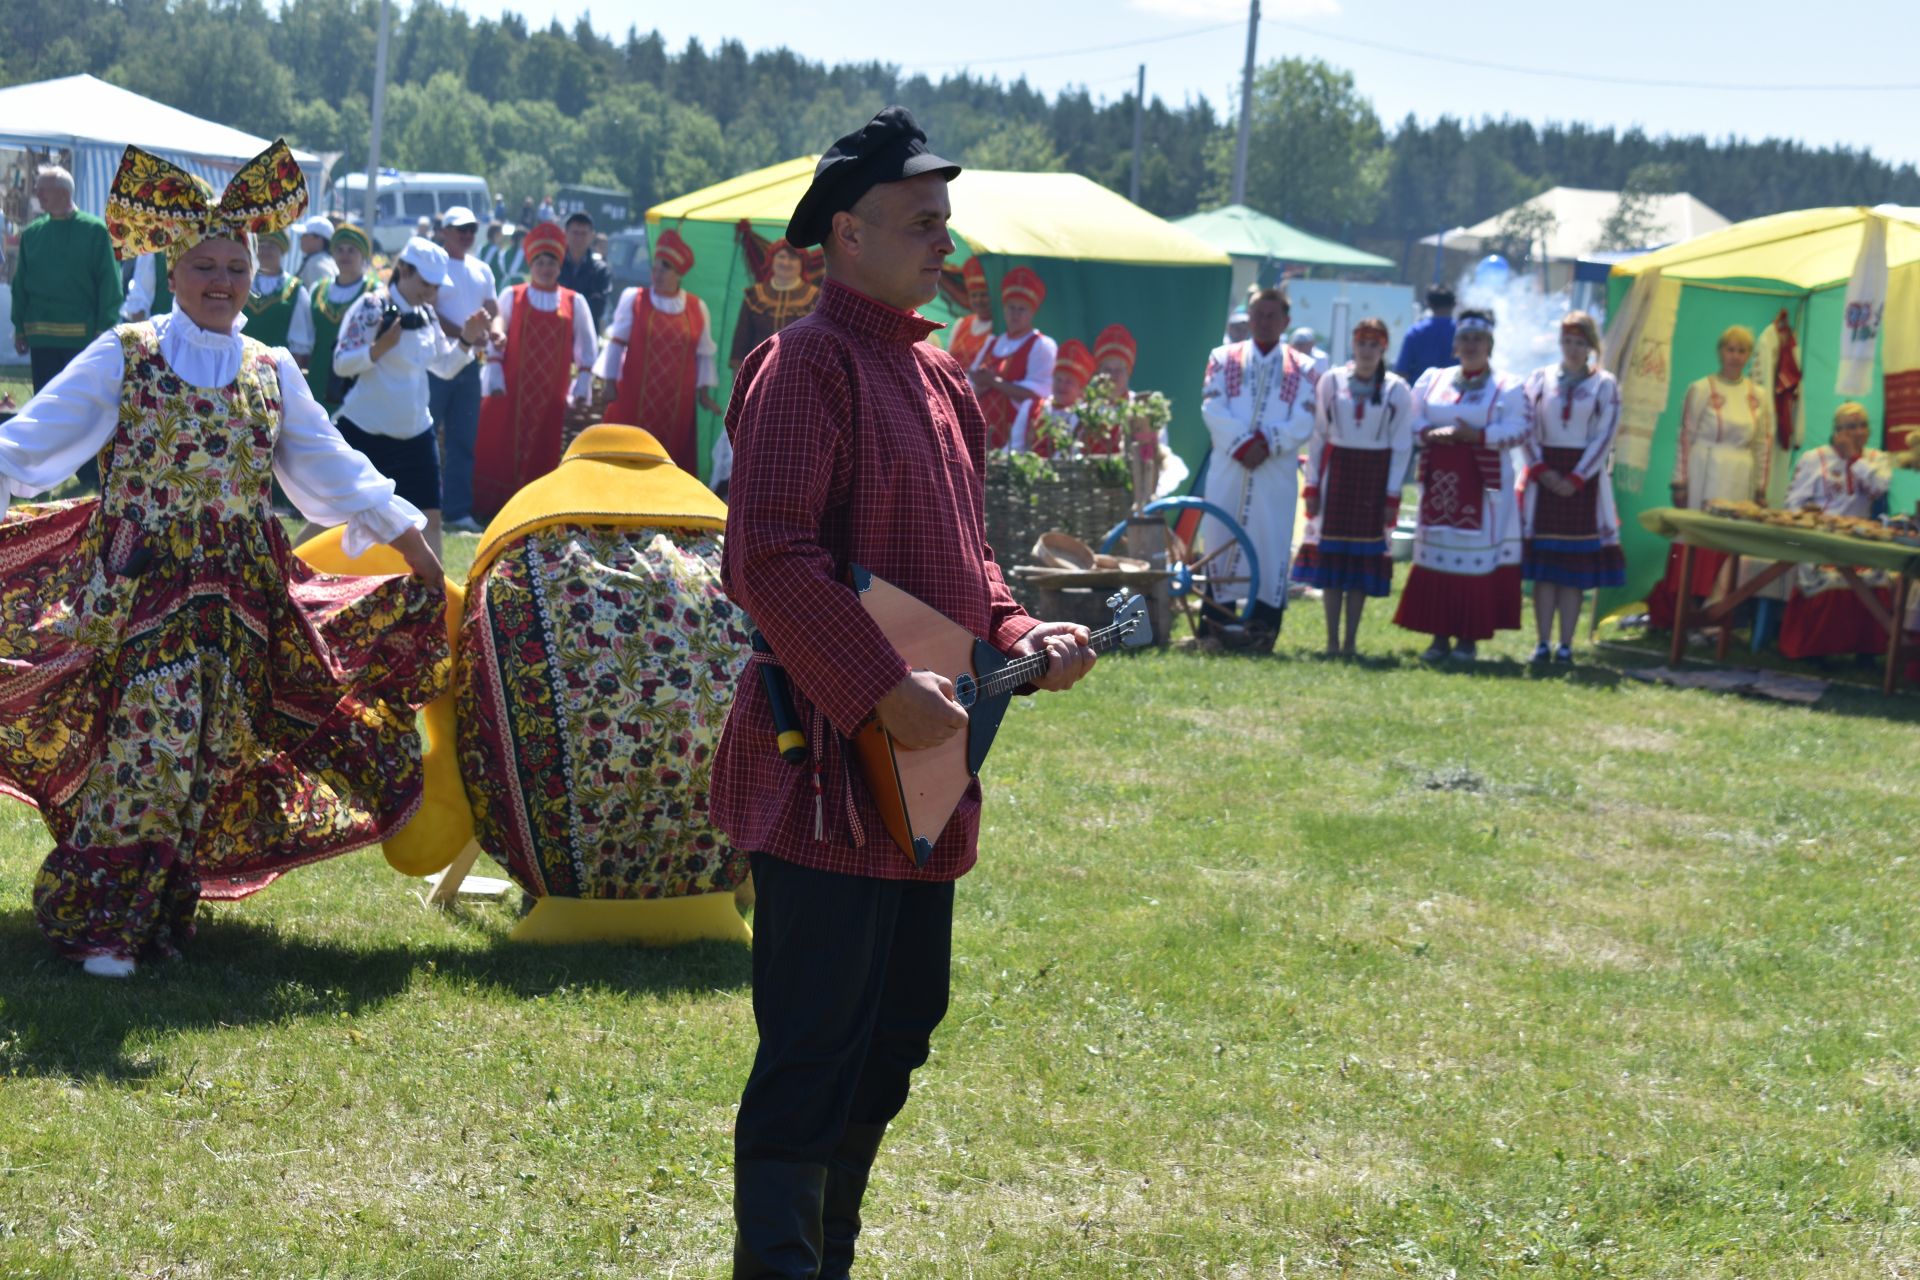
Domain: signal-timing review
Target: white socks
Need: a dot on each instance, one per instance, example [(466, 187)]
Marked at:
[(108, 966)]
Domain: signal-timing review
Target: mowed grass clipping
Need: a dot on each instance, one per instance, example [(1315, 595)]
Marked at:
[(1271, 967)]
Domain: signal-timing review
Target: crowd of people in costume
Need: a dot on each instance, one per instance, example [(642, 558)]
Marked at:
[(242, 380)]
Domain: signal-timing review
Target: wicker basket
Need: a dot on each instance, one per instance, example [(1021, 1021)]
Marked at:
[(1083, 498)]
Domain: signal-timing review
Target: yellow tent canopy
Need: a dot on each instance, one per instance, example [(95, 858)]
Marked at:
[(1104, 259), (1807, 249), (1788, 267), (1034, 215)]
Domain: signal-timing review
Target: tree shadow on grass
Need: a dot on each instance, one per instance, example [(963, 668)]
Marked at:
[(57, 1021)]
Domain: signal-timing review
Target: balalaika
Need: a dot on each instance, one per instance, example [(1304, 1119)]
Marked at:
[(917, 791)]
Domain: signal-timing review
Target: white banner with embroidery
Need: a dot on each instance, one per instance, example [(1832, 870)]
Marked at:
[(1866, 304)]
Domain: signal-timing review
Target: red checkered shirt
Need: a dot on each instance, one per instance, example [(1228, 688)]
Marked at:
[(854, 442)]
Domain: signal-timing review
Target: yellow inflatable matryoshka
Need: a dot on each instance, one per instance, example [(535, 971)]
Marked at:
[(595, 660)]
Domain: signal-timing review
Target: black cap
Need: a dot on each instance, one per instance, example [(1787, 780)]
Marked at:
[(891, 147)]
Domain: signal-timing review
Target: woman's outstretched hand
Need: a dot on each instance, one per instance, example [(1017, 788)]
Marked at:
[(412, 545)]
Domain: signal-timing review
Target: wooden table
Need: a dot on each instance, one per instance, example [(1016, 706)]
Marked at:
[(1785, 548)]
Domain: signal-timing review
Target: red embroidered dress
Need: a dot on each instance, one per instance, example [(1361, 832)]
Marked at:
[(1002, 413), (1465, 579), (193, 709), (1356, 458), (1572, 541), (520, 430), (658, 376)]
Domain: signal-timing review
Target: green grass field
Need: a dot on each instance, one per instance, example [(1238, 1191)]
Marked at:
[(1270, 968)]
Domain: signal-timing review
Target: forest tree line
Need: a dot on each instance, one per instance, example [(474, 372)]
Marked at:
[(533, 107)]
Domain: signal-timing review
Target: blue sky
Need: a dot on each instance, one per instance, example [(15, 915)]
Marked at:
[(1196, 46)]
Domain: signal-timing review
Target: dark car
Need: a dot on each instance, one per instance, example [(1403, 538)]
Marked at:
[(630, 263)]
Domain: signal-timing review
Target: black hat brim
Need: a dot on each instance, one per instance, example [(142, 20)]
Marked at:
[(841, 185)]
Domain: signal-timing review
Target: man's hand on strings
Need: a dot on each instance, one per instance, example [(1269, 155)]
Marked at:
[(1068, 654)]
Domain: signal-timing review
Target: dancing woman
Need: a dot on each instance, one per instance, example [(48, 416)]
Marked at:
[(192, 709)]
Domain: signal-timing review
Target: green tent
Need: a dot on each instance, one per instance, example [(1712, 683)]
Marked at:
[(1247, 233), (1748, 274), (1103, 259)]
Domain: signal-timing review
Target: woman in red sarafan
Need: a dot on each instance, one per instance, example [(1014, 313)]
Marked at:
[(192, 709), (531, 378), (658, 363)]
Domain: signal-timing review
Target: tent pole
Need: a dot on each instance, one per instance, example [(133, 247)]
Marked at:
[(1139, 132), (1246, 108), (368, 205)]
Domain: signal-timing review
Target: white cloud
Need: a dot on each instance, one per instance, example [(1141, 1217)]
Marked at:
[(1225, 10)]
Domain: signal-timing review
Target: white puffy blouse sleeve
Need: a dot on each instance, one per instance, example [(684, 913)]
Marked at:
[(329, 480), (586, 340), (706, 371), (69, 422), (140, 291), (300, 331), (493, 374), (614, 353)]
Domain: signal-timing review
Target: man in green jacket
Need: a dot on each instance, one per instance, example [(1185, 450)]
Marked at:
[(66, 284)]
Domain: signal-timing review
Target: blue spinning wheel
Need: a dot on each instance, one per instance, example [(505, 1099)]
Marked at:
[(1193, 579)]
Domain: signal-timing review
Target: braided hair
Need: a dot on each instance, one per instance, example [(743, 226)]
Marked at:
[(1379, 374)]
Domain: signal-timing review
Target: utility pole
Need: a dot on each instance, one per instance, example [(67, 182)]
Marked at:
[(1139, 132), (1246, 108), (369, 205)]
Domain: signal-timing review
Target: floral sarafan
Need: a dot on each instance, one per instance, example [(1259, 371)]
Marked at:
[(156, 206), (191, 707), (596, 668)]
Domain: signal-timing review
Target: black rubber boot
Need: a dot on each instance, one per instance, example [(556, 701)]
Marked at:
[(1264, 625), (846, 1186), (776, 1219)]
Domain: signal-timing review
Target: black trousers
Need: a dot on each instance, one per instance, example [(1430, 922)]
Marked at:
[(850, 978), (48, 361)]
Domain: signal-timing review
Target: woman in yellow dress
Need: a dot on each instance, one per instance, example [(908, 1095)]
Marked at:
[(1725, 454)]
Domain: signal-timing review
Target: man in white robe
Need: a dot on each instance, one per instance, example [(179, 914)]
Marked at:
[(1258, 405)]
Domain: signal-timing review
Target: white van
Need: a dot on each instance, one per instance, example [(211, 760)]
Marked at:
[(402, 199)]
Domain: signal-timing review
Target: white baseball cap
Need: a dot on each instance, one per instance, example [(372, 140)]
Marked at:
[(317, 225), (428, 258), (459, 216), (1300, 335)]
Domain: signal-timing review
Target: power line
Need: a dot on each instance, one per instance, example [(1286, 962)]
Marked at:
[(1075, 53), (1592, 77)]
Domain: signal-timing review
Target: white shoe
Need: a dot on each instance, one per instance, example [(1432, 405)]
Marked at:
[(1464, 653), (108, 966), (465, 524)]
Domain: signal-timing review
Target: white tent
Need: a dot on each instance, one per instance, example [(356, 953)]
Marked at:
[(96, 121), (1579, 216)]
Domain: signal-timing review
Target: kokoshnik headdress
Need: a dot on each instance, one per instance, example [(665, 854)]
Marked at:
[(155, 206)]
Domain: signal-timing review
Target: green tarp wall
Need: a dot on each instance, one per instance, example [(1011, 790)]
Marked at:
[(1706, 309), (1173, 311)]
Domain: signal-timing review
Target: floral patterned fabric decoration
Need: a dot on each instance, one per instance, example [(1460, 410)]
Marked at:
[(596, 667), (154, 206)]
